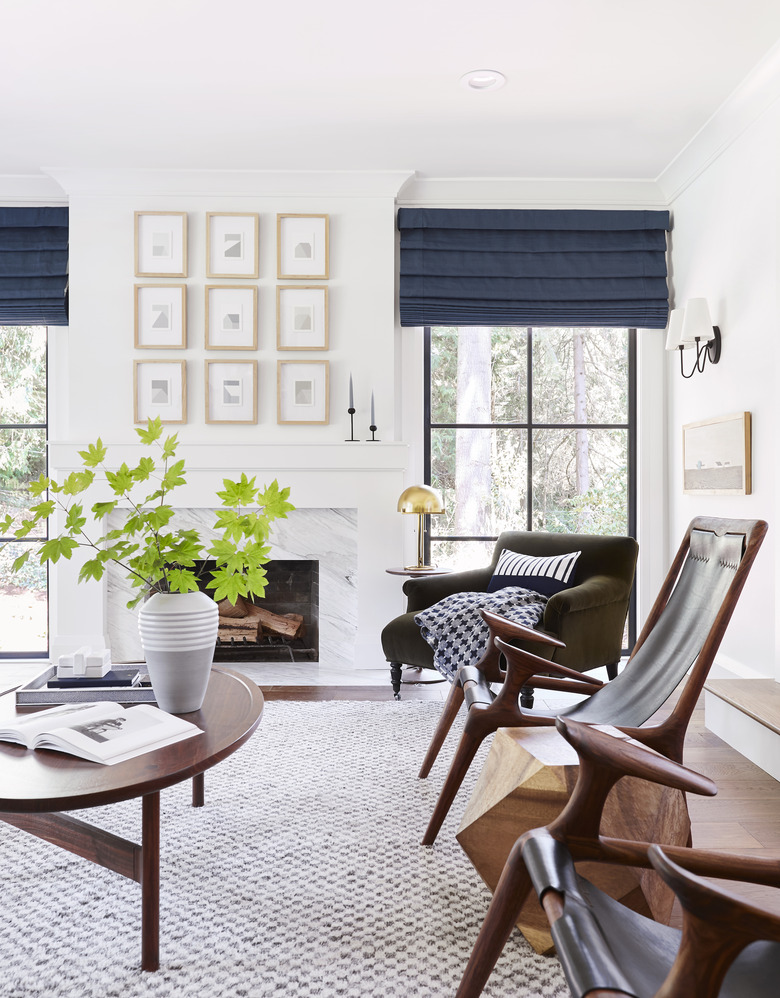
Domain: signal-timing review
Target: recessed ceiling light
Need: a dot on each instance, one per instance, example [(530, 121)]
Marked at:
[(483, 79)]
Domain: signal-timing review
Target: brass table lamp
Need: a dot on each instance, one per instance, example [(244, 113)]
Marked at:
[(420, 499)]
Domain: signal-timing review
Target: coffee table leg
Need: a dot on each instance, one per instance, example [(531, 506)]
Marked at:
[(198, 790), (150, 883)]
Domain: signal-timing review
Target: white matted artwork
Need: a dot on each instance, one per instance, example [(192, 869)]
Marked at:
[(161, 244), (302, 391), (232, 244), (717, 456), (160, 316), (302, 247), (301, 318), (160, 389), (231, 391), (231, 317)]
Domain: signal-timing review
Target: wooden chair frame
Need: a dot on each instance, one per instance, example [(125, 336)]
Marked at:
[(515, 668)]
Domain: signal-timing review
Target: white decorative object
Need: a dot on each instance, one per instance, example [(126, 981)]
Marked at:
[(178, 635), (83, 662)]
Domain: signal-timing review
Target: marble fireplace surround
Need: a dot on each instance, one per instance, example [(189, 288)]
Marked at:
[(328, 536)]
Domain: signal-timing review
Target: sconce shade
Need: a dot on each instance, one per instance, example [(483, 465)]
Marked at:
[(697, 323), (420, 499), (674, 335)]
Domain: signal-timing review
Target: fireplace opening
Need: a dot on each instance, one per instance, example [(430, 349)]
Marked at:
[(283, 626)]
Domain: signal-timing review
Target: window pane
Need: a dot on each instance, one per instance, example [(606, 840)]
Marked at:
[(580, 375), (478, 375), (22, 460), (481, 475), (23, 602), (460, 556), (22, 374), (580, 481)]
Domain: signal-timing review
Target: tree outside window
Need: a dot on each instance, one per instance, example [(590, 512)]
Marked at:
[(23, 596)]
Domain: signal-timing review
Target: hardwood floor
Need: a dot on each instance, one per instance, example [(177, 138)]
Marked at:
[(744, 817)]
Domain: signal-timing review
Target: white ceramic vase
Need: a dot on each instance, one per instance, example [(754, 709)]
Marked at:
[(178, 634)]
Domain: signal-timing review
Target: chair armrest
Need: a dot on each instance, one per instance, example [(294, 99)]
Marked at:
[(522, 666), (598, 590), (424, 592), (611, 749)]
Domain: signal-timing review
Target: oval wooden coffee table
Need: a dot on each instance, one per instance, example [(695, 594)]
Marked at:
[(34, 785)]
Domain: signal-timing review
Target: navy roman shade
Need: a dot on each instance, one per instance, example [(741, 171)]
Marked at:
[(33, 266), (482, 267)]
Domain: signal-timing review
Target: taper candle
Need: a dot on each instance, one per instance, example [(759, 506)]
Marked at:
[(373, 416), (351, 394)]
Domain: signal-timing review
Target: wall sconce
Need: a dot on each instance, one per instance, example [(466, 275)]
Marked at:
[(420, 499), (692, 327)]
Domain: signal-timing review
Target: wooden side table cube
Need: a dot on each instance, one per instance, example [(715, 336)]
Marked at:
[(527, 779)]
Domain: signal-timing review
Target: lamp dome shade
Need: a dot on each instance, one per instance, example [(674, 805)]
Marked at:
[(420, 499)]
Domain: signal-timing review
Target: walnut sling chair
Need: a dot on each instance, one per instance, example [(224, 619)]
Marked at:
[(727, 947), (683, 631)]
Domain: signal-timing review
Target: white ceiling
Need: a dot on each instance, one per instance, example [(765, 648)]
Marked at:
[(595, 88)]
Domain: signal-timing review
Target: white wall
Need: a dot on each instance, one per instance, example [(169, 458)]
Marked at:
[(725, 248), (92, 365)]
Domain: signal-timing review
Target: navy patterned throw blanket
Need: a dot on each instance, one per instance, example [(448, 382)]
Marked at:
[(454, 627)]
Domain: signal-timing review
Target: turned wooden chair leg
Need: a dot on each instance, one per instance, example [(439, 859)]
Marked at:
[(511, 893), (473, 735), (395, 679), (450, 712)]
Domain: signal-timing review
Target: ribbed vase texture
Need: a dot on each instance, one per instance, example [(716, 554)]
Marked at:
[(178, 634)]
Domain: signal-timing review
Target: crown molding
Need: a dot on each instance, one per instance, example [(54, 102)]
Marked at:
[(758, 92), (452, 192), (30, 190), (229, 183)]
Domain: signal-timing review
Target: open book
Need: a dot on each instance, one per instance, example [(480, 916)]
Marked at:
[(100, 732)]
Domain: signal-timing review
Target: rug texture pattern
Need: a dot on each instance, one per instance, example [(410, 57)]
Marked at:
[(302, 876)]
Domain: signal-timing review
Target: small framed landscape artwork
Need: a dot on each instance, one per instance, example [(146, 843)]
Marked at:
[(231, 391), (161, 244), (160, 316), (301, 318), (302, 247), (232, 244), (717, 456), (160, 389), (302, 391), (231, 317)]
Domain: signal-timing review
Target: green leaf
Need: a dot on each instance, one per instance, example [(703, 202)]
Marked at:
[(274, 501), (94, 455), (144, 470), (75, 520), (227, 585), (229, 521), (77, 482), (169, 446), (153, 431), (92, 569), (173, 476), (21, 560), (158, 517), (101, 509), (43, 509), (182, 581), (38, 487), (56, 548), (241, 493), (120, 481), (6, 523)]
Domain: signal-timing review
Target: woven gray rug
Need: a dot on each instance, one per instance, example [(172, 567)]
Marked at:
[(302, 876)]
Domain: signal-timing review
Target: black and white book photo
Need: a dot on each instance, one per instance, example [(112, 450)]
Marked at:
[(105, 732)]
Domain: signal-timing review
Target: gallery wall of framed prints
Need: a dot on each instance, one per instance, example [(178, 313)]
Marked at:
[(232, 383)]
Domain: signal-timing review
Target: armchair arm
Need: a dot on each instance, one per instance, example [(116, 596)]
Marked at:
[(589, 618), (424, 592), (598, 590)]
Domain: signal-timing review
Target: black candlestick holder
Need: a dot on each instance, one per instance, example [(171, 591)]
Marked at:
[(352, 439), (373, 432)]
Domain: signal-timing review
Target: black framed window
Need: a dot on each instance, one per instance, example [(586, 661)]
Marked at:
[(23, 458), (528, 428)]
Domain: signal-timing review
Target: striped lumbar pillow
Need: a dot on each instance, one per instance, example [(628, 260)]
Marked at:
[(542, 575)]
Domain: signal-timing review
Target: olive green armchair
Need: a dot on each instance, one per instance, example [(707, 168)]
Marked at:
[(588, 617)]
